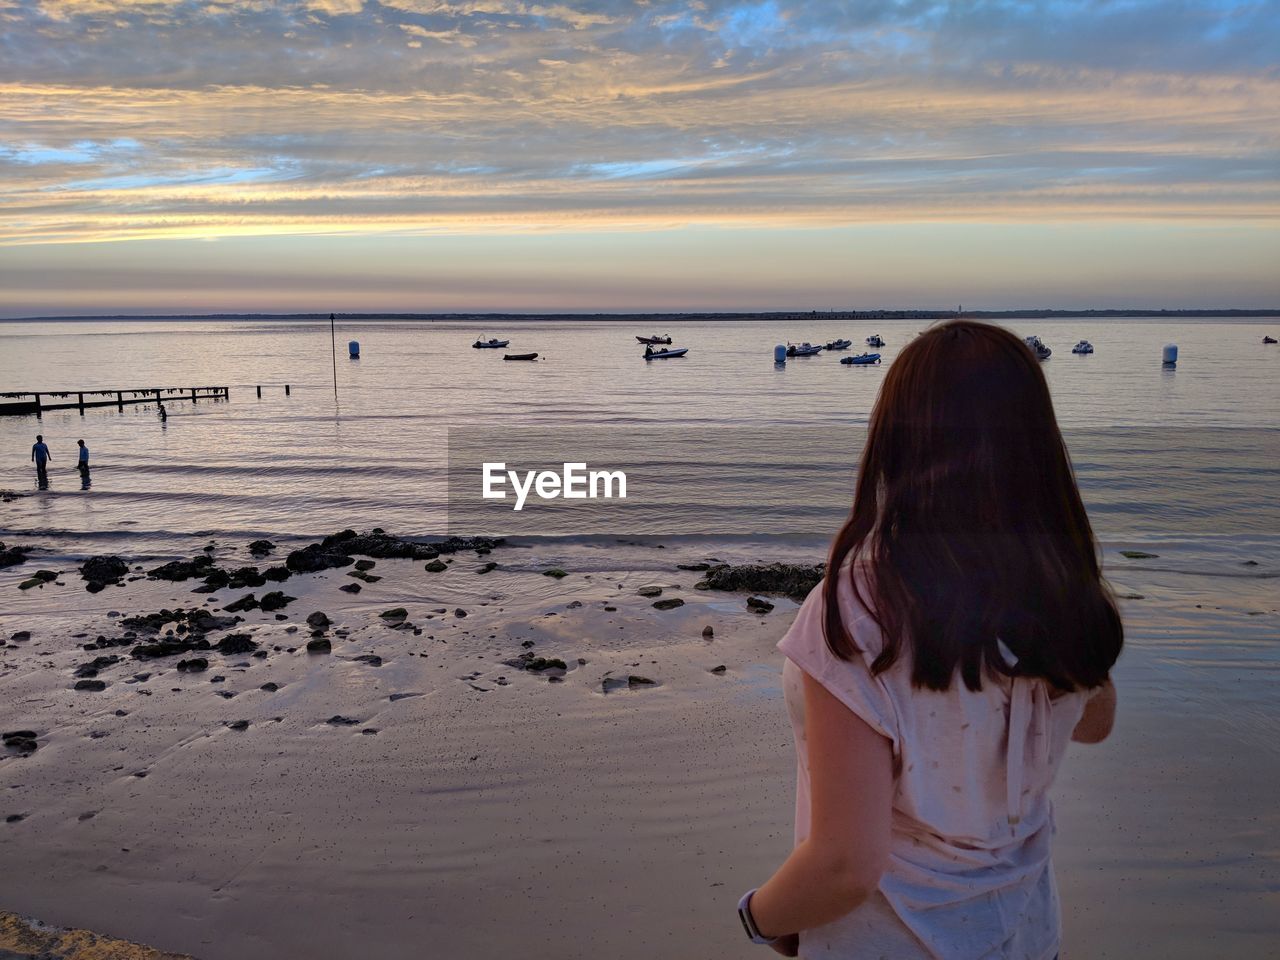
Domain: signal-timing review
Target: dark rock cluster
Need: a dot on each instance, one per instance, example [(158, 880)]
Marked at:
[(789, 579)]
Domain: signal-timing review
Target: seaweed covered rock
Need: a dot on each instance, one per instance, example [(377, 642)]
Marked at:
[(177, 570), (99, 571), (12, 556), (340, 549), (789, 579), (260, 548)]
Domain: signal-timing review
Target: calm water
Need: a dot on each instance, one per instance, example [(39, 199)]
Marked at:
[(742, 449)]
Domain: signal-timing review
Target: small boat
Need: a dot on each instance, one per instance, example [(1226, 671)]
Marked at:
[(1268, 339), (651, 340), (875, 340), (861, 360), (805, 349), (491, 344), (519, 356), (839, 345), (1084, 346), (1041, 351), (665, 354)]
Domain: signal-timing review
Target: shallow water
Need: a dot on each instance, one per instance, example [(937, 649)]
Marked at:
[(732, 444)]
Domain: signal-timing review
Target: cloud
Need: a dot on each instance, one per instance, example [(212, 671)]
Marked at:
[(130, 118)]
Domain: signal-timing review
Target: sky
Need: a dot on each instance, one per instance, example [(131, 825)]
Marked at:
[(477, 155)]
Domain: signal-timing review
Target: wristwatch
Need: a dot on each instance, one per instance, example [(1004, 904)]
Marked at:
[(749, 922)]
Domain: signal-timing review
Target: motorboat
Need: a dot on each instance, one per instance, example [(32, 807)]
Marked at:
[(650, 354), (839, 345), (1268, 339), (1084, 346), (652, 340), (805, 349), (861, 360), (519, 356), (1036, 346), (491, 344), (875, 340)]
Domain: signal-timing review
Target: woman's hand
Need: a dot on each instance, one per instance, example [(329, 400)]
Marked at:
[(788, 946)]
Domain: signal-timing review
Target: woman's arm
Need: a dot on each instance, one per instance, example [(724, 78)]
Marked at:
[(1099, 716), (851, 801)]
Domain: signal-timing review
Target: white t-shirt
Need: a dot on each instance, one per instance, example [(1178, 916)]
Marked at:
[(969, 873)]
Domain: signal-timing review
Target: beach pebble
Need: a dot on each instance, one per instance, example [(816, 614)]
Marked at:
[(350, 588), (194, 665), (238, 725), (338, 720), (668, 604), (365, 564), (708, 631), (720, 669), (92, 685), (436, 566), (318, 620), (758, 605), (650, 590), (19, 636), (372, 659), (319, 645), (270, 687), (459, 612), (394, 615)]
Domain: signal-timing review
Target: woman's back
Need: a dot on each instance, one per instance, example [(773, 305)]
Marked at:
[(969, 871)]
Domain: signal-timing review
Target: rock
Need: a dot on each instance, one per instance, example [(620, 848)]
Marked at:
[(338, 720), (277, 574), (633, 681), (96, 686), (194, 665), (20, 636), (238, 725), (708, 631), (275, 600), (318, 620), (236, 643), (555, 572), (394, 615), (758, 605), (366, 577), (789, 579), (527, 661), (260, 548), (668, 604), (573, 605), (1249, 563), (99, 571), (177, 570), (697, 567), (372, 659), (720, 669), (487, 567), (365, 564), (270, 687), (91, 668), (1138, 555), (650, 590), (20, 741), (350, 588), (319, 645), (12, 556), (247, 602), (242, 577), (611, 609), (459, 613), (436, 566), (38, 579)]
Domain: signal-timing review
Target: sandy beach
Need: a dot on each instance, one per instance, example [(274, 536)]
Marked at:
[(437, 801)]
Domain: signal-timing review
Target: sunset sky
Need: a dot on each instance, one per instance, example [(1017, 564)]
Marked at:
[(434, 156)]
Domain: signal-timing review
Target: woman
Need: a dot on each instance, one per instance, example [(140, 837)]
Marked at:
[(962, 636)]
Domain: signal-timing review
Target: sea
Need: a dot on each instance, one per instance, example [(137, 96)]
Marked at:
[(722, 445)]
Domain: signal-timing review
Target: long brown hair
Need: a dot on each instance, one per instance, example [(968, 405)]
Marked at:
[(969, 524)]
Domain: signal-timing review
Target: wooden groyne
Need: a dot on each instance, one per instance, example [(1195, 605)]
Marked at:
[(26, 404)]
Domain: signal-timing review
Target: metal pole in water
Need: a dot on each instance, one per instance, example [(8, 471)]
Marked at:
[(333, 349)]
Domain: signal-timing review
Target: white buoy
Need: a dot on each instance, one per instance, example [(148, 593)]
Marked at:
[(780, 353), (353, 349), (1169, 355)]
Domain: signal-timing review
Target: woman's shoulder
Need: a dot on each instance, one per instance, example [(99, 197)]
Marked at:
[(807, 635)]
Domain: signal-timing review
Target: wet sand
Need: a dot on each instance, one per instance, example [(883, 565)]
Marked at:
[(477, 816)]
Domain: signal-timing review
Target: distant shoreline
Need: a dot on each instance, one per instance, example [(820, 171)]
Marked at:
[(810, 315)]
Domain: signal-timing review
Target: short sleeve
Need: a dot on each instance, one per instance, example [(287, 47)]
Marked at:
[(849, 681)]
